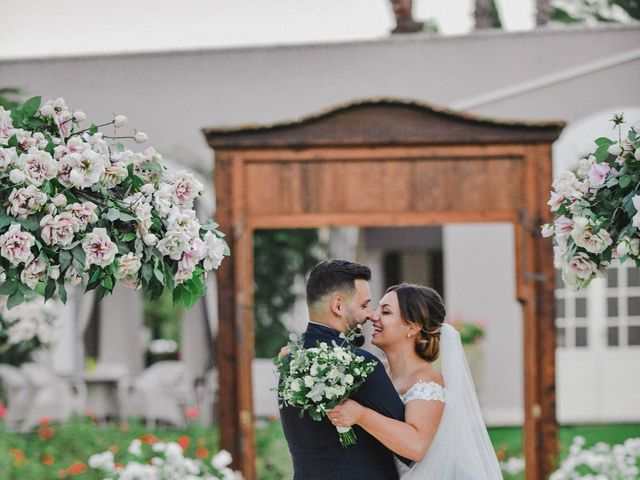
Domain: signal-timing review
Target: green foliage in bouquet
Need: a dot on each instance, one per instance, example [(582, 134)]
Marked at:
[(596, 209), (79, 207)]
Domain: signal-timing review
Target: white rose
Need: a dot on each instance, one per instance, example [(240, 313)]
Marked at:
[(17, 176), (615, 149), (348, 379), (173, 244), (79, 116), (140, 137), (114, 174), (47, 110), (59, 200), (186, 188), (72, 277), (183, 221), (54, 272), (216, 248), (8, 156), (221, 460), (547, 230), (128, 265), (150, 239), (85, 212), (120, 121)]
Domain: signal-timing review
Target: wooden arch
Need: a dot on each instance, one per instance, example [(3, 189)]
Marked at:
[(370, 164)]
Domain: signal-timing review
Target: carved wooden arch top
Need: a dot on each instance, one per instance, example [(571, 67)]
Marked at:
[(382, 122)]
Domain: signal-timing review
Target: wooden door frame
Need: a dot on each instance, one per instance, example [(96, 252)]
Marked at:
[(382, 131)]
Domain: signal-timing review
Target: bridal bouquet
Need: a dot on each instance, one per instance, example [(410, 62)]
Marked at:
[(597, 209), (76, 206), (160, 460), (317, 379)]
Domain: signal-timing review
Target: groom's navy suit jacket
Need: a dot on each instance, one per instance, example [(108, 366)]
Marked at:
[(315, 446)]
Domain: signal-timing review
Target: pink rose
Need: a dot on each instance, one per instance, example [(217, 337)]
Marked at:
[(186, 188), (26, 201), (34, 272), (15, 245), (598, 174), (59, 230), (563, 226), (39, 166), (85, 213), (99, 248), (8, 156), (582, 266)]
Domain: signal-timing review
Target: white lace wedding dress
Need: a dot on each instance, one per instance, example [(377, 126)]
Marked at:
[(461, 449)]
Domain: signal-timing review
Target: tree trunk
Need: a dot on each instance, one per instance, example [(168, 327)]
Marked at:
[(486, 14), (543, 12)]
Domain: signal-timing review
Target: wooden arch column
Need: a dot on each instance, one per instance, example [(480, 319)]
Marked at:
[(385, 163)]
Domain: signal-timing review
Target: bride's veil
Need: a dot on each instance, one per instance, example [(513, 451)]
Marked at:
[(461, 449)]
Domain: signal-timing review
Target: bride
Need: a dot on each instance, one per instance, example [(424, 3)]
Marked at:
[(443, 431)]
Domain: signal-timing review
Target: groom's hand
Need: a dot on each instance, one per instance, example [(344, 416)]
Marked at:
[(284, 351), (346, 414)]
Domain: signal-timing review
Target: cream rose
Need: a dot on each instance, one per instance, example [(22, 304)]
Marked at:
[(216, 248), (582, 266), (173, 244), (34, 273), (38, 166), (26, 201)]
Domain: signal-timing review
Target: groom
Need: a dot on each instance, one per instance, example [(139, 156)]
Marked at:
[(339, 299)]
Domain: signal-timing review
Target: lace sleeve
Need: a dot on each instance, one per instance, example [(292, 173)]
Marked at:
[(422, 390)]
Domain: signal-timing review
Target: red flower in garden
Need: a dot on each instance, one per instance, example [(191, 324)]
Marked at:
[(44, 421), (148, 438), (46, 433), (48, 459), (77, 468), (124, 427), (3, 411), (183, 441), (202, 452), (191, 413), (18, 455)]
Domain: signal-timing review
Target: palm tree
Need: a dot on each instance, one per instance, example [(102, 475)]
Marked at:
[(543, 12), (486, 14)]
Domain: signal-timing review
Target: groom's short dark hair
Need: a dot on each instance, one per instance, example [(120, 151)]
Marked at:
[(334, 275)]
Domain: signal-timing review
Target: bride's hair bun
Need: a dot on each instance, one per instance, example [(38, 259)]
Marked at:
[(422, 306)]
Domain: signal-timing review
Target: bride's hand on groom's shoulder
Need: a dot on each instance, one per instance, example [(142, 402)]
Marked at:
[(346, 414)]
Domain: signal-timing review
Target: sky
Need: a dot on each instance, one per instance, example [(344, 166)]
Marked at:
[(45, 28)]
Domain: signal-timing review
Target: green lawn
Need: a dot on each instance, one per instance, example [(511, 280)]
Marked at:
[(68, 446)]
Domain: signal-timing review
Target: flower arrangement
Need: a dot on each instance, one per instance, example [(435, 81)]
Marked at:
[(470, 332), (27, 328), (152, 459), (597, 209), (79, 207), (317, 379), (619, 462)]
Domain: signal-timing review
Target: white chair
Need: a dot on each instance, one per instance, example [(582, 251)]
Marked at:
[(162, 392), (51, 396), (17, 395)]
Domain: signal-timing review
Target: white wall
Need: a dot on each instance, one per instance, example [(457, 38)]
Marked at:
[(480, 285)]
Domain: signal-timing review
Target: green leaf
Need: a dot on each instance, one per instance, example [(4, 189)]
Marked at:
[(62, 291), (15, 299), (128, 236), (93, 129), (65, 257), (625, 181), (113, 214), (50, 289), (79, 256), (5, 219), (8, 288), (601, 153), (604, 141), (125, 217), (30, 223), (31, 106), (157, 272), (107, 283)]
